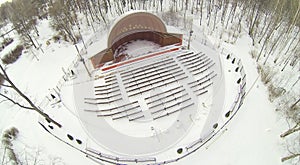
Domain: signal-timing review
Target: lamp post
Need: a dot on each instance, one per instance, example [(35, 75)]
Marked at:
[(189, 42), (82, 60)]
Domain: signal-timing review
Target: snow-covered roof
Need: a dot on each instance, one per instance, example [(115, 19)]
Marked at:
[(135, 21)]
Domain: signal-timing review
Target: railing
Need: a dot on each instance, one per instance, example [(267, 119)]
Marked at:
[(194, 146), (197, 144), (120, 159), (190, 148)]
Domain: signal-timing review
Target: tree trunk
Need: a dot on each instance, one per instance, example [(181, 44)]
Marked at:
[(101, 14), (291, 42), (201, 12), (289, 157), (291, 130), (272, 47), (34, 107)]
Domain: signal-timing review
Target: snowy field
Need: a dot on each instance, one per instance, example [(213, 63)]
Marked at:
[(252, 137)]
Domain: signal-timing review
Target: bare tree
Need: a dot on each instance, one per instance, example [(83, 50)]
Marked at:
[(64, 19), (23, 16), (7, 83)]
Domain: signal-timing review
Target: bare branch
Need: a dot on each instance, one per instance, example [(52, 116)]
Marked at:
[(291, 130), (16, 103), (289, 157), (22, 95), (8, 86), (5, 77)]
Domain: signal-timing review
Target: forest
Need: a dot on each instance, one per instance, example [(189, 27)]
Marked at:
[(273, 25)]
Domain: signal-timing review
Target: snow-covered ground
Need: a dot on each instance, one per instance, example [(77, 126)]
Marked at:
[(252, 137)]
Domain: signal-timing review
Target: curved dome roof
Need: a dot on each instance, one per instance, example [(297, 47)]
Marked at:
[(135, 21)]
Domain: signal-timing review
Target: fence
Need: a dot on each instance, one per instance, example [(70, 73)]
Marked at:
[(197, 144), (190, 148)]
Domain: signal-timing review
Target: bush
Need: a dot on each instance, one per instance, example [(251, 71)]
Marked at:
[(275, 92), (253, 53), (56, 38), (266, 73), (10, 133), (7, 137), (7, 41), (13, 56), (5, 141)]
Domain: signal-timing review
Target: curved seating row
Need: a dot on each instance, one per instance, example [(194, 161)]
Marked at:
[(173, 93), (145, 70), (161, 93), (179, 108), (166, 81), (114, 108), (153, 79), (152, 73), (145, 67), (163, 102)]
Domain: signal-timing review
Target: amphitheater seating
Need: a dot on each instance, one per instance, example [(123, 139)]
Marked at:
[(148, 72), (185, 56), (145, 67), (202, 83), (202, 78), (114, 108), (173, 111), (108, 91), (195, 62), (110, 76), (140, 79), (167, 80), (167, 91), (201, 71), (104, 102), (136, 118), (132, 111), (195, 57), (105, 88), (154, 78), (153, 73), (173, 93), (118, 112), (105, 97), (168, 101), (111, 80), (198, 65), (165, 108)]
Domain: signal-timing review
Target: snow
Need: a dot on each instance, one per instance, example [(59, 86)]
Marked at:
[(252, 137), (138, 47)]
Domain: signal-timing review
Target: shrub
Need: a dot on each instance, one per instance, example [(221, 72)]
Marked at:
[(56, 38), (275, 92), (266, 73), (13, 131), (5, 141), (7, 137), (253, 53), (13, 56), (7, 41), (10, 133)]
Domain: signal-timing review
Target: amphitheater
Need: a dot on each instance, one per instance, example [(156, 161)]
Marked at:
[(149, 99)]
